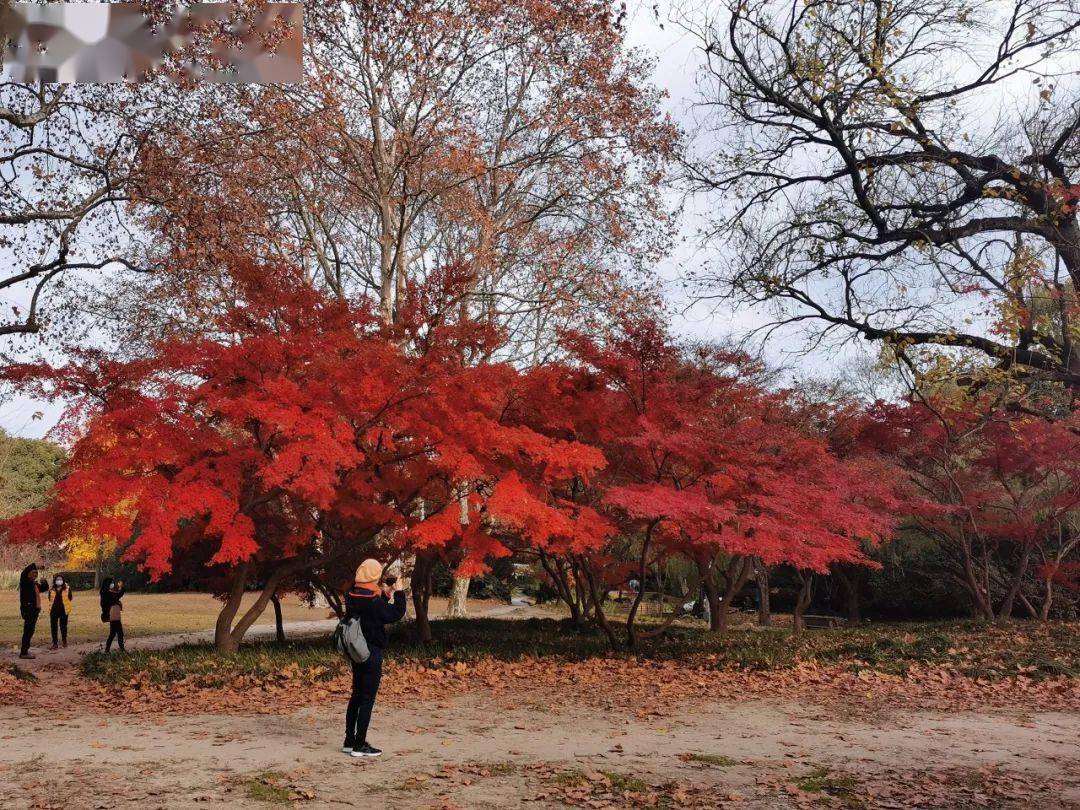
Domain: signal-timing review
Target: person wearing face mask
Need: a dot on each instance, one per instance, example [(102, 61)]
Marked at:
[(60, 596)]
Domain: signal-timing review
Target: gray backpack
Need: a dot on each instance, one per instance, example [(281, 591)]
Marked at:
[(349, 641)]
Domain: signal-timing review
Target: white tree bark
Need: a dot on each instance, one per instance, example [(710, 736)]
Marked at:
[(457, 608), (458, 596)]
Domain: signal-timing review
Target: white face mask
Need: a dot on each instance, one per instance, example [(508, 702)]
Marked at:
[(58, 583)]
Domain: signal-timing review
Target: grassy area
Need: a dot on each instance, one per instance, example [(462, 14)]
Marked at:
[(978, 650), (145, 614), (841, 787), (267, 787), (713, 760)]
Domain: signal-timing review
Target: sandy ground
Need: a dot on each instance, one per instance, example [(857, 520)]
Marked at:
[(209, 760), (488, 750)]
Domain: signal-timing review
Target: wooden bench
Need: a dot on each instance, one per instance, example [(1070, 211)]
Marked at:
[(821, 622)]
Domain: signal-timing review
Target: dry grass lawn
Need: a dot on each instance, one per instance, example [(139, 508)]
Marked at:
[(153, 614), (145, 614)]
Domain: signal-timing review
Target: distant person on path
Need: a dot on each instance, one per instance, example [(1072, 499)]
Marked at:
[(60, 596), (376, 606), (112, 611), (29, 605)]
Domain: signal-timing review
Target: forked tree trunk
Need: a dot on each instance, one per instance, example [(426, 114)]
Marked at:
[(227, 634), (570, 593), (1009, 602), (598, 609), (806, 594), (737, 573), (982, 601)]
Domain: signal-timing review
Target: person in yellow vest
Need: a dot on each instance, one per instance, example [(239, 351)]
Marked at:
[(60, 596)]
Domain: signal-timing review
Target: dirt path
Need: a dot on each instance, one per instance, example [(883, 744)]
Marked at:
[(462, 751)]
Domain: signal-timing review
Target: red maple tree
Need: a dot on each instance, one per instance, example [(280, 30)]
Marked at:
[(996, 488), (297, 437), (702, 461)]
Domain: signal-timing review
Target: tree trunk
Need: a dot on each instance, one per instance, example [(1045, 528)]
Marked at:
[(716, 615), (456, 608), (1009, 602), (738, 572), (581, 591), (572, 597), (707, 574), (279, 625), (598, 610), (232, 638), (1048, 600), (806, 594), (980, 599), (223, 638), (849, 581), (854, 609), (631, 617), (421, 595), (761, 573)]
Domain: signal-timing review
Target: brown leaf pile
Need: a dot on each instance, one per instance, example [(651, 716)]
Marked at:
[(13, 689), (641, 686), (602, 790), (988, 786)]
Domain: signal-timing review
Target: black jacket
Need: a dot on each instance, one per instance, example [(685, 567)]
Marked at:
[(375, 612), (109, 598), (28, 604)]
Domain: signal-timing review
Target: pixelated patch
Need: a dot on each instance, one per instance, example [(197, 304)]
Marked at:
[(73, 43)]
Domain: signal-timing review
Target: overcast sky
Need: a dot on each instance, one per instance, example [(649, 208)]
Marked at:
[(677, 60)]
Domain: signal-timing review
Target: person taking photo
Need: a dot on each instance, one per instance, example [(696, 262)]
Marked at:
[(30, 591), (60, 597), (112, 611), (376, 605)]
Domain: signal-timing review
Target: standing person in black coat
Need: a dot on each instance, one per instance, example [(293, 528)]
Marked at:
[(112, 611), (376, 606), (30, 591), (60, 596)]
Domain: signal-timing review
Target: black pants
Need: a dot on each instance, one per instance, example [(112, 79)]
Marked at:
[(58, 621), (116, 630), (29, 625), (365, 685)]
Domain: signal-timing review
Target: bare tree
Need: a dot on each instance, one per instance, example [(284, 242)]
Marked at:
[(905, 171), (66, 161)]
